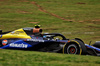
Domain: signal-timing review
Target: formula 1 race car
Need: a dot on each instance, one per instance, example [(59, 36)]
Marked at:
[(33, 39)]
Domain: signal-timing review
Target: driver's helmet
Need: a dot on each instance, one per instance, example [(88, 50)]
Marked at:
[(37, 26), (37, 29)]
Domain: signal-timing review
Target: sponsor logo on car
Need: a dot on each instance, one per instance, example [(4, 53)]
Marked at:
[(35, 40), (18, 45), (4, 42)]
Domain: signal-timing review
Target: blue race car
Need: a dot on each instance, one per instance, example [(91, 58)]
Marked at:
[(33, 39)]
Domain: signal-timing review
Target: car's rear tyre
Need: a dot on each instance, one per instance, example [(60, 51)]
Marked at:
[(76, 47), (83, 47), (72, 49)]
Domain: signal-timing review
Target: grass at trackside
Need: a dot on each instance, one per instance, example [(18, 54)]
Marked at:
[(83, 14), (83, 22), (84, 17), (30, 58)]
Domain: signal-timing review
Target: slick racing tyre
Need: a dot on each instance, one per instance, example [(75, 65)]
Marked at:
[(74, 48)]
